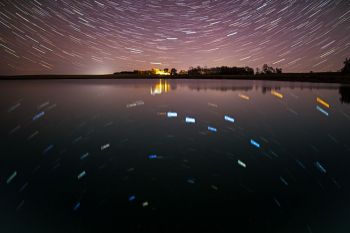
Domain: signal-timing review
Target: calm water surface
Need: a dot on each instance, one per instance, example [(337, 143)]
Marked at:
[(103, 156)]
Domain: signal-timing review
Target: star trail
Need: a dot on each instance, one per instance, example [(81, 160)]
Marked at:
[(106, 36)]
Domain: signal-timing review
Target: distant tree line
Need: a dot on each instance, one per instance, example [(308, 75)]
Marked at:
[(172, 72), (201, 71), (223, 70), (268, 70)]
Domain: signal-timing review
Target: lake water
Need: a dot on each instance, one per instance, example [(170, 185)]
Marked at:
[(119, 156)]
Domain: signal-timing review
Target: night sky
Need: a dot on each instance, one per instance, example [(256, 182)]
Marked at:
[(105, 36)]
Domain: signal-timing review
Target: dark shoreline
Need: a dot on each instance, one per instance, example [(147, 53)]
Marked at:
[(287, 77)]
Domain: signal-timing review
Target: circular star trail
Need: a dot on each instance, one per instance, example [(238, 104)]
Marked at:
[(105, 36)]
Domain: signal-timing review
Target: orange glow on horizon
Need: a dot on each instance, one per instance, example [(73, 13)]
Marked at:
[(161, 72)]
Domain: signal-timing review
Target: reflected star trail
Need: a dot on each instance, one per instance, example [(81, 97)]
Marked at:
[(97, 37)]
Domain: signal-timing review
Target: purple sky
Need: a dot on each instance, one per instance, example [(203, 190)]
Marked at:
[(105, 36)]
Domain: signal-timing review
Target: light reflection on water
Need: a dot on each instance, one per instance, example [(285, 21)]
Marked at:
[(162, 87), (106, 156)]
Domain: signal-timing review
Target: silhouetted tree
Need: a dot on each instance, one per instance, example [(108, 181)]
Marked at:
[(183, 72), (249, 70), (257, 71), (346, 68), (278, 70), (173, 72), (195, 71), (166, 70), (268, 69)]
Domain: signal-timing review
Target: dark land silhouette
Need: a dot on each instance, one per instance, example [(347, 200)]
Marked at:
[(224, 72), (344, 92)]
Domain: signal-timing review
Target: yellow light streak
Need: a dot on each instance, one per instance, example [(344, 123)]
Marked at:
[(277, 94), (324, 103), (245, 97)]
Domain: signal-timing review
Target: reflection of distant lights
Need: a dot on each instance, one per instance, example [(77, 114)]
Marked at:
[(135, 104), (160, 88), (77, 206), (84, 156), (322, 110), (105, 146), (244, 97), (320, 167), (254, 143), (213, 105), (81, 175), (229, 119), (241, 164), (190, 120), (212, 129), (191, 181), (11, 177), (152, 156), (277, 94), (172, 114), (283, 181), (39, 115), (132, 198), (324, 103)]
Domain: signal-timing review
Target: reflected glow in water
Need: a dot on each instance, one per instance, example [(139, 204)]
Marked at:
[(162, 87), (109, 156)]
